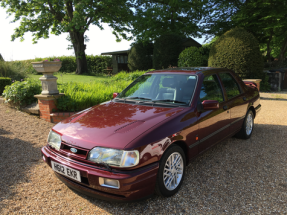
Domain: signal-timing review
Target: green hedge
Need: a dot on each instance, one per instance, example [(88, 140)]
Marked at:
[(4, 82), (96, 64)]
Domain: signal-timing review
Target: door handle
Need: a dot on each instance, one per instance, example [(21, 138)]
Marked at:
[(224, 107), (244, 98)]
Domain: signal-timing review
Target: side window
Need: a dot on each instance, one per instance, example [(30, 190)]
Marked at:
[(210, 89), (230, 85)]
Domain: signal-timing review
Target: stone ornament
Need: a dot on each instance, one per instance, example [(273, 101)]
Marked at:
[(49, 81)]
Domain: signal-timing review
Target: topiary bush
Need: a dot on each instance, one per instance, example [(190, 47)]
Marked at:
[(140, 56), (3, 83), (238, 50), (166, 51), (21, 93), (192, 56)]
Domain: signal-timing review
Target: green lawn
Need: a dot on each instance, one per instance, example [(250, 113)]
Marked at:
[(75, 78)]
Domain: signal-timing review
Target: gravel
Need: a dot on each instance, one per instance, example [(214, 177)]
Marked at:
[(236, 176)]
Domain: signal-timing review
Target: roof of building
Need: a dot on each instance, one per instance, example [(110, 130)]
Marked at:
[(123, 52)]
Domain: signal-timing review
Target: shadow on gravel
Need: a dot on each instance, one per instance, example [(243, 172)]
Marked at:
[(234, 176), (16, 158)]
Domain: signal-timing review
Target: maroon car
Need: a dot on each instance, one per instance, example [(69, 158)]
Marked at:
[(141, 141)]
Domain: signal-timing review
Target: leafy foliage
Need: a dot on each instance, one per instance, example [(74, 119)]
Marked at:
[(129, 76), (140, 56), (79, 96), (166, 51), (266, 20), (154, 18), (43, 17), (22, 93), (237, 50), (4, 82), (1, 58), (192, 56), (13, 70)]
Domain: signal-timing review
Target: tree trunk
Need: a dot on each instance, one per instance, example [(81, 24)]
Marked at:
[(283, 50), (78, 42)]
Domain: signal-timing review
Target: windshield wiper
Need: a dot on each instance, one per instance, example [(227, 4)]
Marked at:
[(136, 97), (169, 100)]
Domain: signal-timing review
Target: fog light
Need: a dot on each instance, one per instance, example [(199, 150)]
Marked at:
[(44, 158), (111, 183)]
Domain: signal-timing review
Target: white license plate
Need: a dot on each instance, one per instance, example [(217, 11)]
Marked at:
[(67, 171)]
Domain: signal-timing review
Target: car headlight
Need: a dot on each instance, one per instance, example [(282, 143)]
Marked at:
[(54, 140), (114, 157)]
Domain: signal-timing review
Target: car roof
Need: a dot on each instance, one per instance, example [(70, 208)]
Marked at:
[(188, 70)]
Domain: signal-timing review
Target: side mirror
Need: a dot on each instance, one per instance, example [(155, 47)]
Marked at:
[(115, 95), (210, 105)]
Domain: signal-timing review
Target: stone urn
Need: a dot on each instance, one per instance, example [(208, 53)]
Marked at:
[(49, 81)]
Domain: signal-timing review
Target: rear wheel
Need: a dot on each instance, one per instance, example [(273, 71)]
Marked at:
[(171, 172), (247, 127)]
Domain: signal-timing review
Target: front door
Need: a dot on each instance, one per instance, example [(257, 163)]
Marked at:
[(236, 101), (213, 124)]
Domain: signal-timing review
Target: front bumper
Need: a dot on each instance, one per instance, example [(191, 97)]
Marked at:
[(134, 185)]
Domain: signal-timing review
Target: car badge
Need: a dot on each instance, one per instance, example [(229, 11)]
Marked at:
[(73, 150)]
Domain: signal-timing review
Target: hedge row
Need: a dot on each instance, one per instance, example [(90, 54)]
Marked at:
[(96, 64), (4, 82)]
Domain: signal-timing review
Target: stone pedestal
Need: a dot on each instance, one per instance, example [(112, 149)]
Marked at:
[(49, 82), (47, 105)]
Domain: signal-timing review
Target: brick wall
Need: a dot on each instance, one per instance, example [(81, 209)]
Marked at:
[(58, 117)]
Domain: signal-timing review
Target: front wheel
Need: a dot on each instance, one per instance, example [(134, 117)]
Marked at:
[(171, 172), (247, 127)]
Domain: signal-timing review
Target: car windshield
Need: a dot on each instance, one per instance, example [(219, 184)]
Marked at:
[(161, 88)]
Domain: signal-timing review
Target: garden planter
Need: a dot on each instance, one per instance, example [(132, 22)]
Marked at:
[(49, 81)]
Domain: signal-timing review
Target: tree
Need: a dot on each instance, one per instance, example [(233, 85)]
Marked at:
[(1, 58), (266, 20), (43, 17), (154, 18)]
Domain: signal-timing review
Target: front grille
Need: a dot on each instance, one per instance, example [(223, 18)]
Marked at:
[(80, 154)]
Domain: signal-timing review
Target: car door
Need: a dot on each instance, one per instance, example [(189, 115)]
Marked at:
[(236, 100), (213, 124)]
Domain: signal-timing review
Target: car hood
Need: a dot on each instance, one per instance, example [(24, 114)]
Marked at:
[(111, 124)]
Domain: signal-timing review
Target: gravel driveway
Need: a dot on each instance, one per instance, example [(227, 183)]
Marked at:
[(236, 176)]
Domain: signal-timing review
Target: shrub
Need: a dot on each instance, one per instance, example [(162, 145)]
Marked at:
[(192, 56), (22, 93), (128, 76), (237, 50), (4, 82), (166, 51), (140, 56), (79, 96), (13, 70)]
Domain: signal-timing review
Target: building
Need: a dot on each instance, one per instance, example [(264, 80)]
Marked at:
[(120, 58)]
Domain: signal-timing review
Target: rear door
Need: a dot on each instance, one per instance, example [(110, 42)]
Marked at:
[(236, 100), (213, 124)]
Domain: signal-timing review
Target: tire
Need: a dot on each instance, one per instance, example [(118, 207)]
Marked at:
[(247, 127), (166, 186)]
